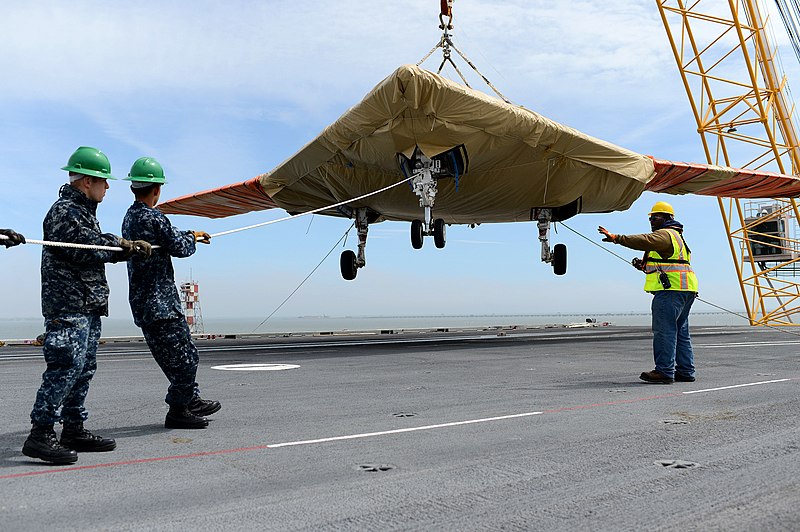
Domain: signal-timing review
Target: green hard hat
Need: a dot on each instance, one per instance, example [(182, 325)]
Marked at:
[(89, 161), (146, 170)]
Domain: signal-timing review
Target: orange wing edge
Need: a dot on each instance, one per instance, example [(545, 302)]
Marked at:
[(230, 200), (721, 181)]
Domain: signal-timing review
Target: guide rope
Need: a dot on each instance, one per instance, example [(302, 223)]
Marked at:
[(343, 237), (698, 297), (222, 233)]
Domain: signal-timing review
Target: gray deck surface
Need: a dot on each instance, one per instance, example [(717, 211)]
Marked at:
[(546, 429)]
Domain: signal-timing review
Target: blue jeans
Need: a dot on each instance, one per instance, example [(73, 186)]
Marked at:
[(672, 345)]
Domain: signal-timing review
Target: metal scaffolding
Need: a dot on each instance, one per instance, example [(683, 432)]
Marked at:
[(740, 99)]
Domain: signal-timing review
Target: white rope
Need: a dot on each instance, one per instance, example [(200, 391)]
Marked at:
[(223, 233), (312, 212), (65, 244)]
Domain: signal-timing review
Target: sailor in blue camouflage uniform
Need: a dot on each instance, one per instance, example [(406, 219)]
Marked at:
[(74, 297), (154, 299)]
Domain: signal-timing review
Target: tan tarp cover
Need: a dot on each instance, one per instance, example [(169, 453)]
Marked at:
[(518, 160)]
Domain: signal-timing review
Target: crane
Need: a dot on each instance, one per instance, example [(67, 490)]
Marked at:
[(740, 99)]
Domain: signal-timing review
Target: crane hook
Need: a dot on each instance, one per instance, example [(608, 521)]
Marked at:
[(446, 11)]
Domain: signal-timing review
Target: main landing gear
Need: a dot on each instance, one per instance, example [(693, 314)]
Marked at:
[(558, 256), (349, 262)]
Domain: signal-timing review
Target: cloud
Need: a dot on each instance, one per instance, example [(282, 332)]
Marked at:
[(308, 56)]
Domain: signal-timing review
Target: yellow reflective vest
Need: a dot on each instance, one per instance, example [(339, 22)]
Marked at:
[(677, 268)]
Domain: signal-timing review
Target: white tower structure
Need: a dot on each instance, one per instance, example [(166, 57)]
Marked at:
[(190, 303)]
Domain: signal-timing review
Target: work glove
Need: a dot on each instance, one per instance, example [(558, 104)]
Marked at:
[(13, 238), (127, 250), (202, 237), (140, 248), (638, 263), (608, 236)]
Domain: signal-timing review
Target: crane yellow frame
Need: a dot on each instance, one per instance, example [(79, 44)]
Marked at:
[(739, 98)]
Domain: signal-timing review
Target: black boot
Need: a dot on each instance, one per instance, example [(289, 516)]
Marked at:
[(179, 417), (201, 407), (77, 438), (42, 444)]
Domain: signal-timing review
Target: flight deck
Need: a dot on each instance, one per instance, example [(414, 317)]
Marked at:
[(479, 429)]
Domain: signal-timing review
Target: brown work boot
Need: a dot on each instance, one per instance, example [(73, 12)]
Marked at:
[(656, 377), (77, 438), (43, 444)]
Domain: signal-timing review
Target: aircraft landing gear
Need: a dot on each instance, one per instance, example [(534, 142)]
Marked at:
[(418, 233), (439, 233), (425, 172), (558, 256), (349, 262), (424, 184)]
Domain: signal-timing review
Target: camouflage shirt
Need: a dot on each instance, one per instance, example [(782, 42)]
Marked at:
[(74, 280), (151, 282)]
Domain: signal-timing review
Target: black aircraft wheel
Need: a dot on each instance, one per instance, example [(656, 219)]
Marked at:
[(416, 234), (348, 264), (559, 259), (439, 232)]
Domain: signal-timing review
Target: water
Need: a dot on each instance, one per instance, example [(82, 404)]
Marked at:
[(29, 328)]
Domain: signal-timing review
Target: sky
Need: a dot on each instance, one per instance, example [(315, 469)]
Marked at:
[(220, 92)]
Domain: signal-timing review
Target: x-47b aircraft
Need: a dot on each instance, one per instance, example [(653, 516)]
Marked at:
[(469, 158)]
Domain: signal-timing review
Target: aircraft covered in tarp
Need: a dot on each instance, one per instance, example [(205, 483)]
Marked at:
[(469, 158)]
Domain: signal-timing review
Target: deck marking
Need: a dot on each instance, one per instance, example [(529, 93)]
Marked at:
[(255, 367), (262, 447), (746, 344), (736, 386), (398, 431), (50, 469)]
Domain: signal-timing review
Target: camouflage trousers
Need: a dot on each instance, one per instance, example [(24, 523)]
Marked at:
[(70, 350), (172, 347)]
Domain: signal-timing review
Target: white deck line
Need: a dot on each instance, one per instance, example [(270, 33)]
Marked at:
[(399, 431), (736, 386)]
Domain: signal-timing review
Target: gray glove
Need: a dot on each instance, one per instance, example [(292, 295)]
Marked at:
[(14, 238)]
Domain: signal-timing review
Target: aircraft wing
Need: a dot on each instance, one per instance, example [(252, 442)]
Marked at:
[(237, 198), (511, 161)]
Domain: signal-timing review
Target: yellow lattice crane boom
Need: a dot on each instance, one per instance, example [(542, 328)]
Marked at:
[(740, 99)]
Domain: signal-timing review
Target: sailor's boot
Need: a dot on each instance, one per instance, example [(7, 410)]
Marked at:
[(201, 407), (77, 438), (179, 417), (43, 444)]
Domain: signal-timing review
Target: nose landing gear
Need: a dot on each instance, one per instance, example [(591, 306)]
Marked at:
[(425, 173)]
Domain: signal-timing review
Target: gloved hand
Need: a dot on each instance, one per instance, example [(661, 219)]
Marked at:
[(142, 248), (130, 248), (14, 238), (608, 236), (202, 237), (127, 250), (638, 263)]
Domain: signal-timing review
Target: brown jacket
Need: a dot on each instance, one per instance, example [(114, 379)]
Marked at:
[(658, 241)]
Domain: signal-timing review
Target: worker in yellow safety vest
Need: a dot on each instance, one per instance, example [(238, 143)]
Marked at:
[(669, 277)]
